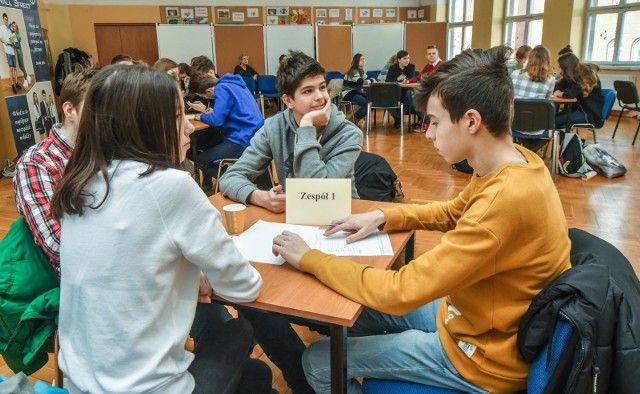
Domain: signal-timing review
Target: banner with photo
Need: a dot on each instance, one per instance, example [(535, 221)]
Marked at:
[(24, 73)]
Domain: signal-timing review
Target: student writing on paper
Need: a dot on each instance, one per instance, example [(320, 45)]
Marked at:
[(310, 139), (450, 317)]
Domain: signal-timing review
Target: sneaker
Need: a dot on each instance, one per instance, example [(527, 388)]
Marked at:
[(9, 169), (422, 128), (26, 82)]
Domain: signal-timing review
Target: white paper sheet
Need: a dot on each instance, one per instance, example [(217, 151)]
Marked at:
[(255, 243)]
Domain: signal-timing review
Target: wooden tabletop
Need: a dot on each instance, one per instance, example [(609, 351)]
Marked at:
[(286, 290), (198, 124), (562, 100)]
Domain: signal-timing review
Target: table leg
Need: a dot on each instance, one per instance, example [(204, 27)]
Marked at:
[(338, 359)]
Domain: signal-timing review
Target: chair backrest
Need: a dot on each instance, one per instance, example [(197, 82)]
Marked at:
[(385, 94), (416, 73), (627, 92), (544, 366), (533, 115), (609, 98), (334, 75), (373, 74), (267, 84), (251, 84)]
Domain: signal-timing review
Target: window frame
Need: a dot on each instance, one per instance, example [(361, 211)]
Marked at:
[(527, 18), (467, 22), (621, 9)]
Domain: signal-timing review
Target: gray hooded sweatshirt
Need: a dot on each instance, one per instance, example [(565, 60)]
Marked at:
[(297, 153)]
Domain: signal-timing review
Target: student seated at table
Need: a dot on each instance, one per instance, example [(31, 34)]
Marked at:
[(581, 82), (433, 62), (244, 69), (235, 117), (354, 78), (450, 317), (139, 245), (310, 139), (402, 72), (168, 66)]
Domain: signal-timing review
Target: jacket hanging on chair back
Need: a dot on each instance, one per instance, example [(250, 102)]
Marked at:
[(604, 351), (375, 179)]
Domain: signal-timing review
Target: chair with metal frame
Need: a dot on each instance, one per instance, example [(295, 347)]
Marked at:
[(385, 95), (609, 98), (267, 89), (373, 74), (628, 99), (223, 164), (532, 115)]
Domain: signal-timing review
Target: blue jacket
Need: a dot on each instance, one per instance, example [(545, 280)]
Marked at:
[(235, 110)]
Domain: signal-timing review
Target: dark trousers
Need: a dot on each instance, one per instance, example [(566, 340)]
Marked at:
[(222, 364), (209, 156), (281, 344)]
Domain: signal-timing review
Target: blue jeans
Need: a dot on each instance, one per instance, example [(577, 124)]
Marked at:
[(577, 116), (362, 101), (224, 150), (404, 347)]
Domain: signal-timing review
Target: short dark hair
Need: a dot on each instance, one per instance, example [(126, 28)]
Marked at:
[(200, 82), (474, 79), (297, 67), (120, 58), (4, 15), (75, 85), (401, 53), (202, 64), (164, 64), (431, 47), (564, 50), (139, 129), (44, 91)]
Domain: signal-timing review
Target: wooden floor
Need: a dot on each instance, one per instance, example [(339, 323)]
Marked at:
[(608, 208)]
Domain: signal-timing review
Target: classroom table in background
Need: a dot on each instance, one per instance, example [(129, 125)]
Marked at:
[(290, 292)]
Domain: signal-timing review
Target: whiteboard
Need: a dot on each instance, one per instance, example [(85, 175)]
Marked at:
[(377, 42), (280, 38), (181, 43)]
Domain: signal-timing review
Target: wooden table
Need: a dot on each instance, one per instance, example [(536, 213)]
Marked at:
[(199, 125), (290, 292)]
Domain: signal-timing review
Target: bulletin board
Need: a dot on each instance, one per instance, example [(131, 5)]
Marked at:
[(187, 15), (232, 40), (375, 14), (331, 56), (420, 34), (415, 14), (238, 15), (281, 38), (173, 40), (377, 42)]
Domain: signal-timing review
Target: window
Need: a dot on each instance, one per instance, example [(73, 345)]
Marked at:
[(612, 31), (460, 19), (523, 22)]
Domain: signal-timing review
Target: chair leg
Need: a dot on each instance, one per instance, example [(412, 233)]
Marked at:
[(554, 155), (262, 105), (636, 136), (368, 117), (617, 123), (401, 119)]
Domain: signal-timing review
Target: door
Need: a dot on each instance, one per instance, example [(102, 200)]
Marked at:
[(136, 40)]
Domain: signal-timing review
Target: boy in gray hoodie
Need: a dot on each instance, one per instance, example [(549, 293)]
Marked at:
[(310, 139)]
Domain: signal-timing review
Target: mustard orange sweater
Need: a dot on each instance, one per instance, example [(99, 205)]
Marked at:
[(505, 238)]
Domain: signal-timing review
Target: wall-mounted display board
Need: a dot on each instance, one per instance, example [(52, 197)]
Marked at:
[(334, 57), (377, 42), (185, 15), (349, 15), (377, 14), (415, 14), (286, 15), (420, 34), (281, 38), (233, 40), (238, 15), (172, 41)]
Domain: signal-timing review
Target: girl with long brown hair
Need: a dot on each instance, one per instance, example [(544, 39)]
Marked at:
[(536, 79)]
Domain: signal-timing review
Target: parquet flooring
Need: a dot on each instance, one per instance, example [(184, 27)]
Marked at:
[(608, 208)]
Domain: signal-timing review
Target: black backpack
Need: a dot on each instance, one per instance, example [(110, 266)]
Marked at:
[(375, 179)]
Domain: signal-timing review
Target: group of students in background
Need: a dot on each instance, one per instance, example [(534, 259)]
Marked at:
[(398, 69), (140, 249)]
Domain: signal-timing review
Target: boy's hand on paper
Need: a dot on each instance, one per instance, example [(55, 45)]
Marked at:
[(360, 225), (291, 247), (273, 199), (205, 289), (198, 106)]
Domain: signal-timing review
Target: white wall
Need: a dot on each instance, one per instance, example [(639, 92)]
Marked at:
[(342, 3)]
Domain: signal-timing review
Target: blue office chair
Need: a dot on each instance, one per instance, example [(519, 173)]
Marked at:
[(251, 85), (540, 372), (373, 74), (609, 98), (267, 88), (334, 75)]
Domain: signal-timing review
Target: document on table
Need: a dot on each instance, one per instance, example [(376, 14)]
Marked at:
[(256, 242)]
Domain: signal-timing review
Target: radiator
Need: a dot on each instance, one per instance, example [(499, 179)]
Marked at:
[(607, 83)]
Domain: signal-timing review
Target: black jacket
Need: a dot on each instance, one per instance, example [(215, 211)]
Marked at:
[(600, 297)]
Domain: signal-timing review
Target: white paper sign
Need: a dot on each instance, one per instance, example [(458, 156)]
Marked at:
[(317, 201)]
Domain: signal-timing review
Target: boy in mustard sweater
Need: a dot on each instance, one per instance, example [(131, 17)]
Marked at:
[(450, 317)]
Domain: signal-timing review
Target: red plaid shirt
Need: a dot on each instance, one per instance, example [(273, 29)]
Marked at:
[(37, 174)]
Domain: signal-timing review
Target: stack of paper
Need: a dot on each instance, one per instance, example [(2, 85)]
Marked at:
[(256, 242)]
